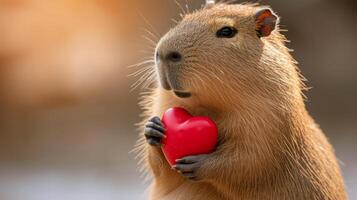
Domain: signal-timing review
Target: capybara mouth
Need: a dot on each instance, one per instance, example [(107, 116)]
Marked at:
[(182, 94)]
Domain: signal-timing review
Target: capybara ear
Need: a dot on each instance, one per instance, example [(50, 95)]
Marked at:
[(265, 22), (210, 3)]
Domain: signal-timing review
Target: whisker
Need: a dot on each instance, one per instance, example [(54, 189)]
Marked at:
[(187, 8), (140, 71), (149, 58), (155, 37), (146, 52), (141, 63), (139, 82), (150, 80), (149, 39), (145, 77), (174, 20), (150, 25), (152, 48), (183, 12)]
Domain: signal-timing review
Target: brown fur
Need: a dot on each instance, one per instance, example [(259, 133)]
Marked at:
[(269, 146)]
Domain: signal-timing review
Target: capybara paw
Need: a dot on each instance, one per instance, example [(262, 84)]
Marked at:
[(154, 131), (188, 166)]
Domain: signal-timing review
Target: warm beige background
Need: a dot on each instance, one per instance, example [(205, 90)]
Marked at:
[(66, 113)]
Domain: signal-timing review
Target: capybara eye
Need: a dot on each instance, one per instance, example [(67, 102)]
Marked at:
[(226, 32)]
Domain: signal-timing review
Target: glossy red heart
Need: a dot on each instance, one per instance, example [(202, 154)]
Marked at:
[(187, 135)]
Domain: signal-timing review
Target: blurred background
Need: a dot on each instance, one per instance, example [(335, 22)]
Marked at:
[(66, 111)]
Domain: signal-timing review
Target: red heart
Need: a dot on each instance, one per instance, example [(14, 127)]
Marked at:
[(187, 135)]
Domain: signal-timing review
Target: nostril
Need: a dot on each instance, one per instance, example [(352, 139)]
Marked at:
[(174, 56), (157, 57)]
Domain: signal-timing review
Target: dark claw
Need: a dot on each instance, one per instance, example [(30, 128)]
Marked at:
[(156, 120), (155, 126), (150, 132), (183, 168), (154, 141), (192, 159)]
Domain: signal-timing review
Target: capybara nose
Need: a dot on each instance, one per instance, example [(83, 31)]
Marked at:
[(173, 56)]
